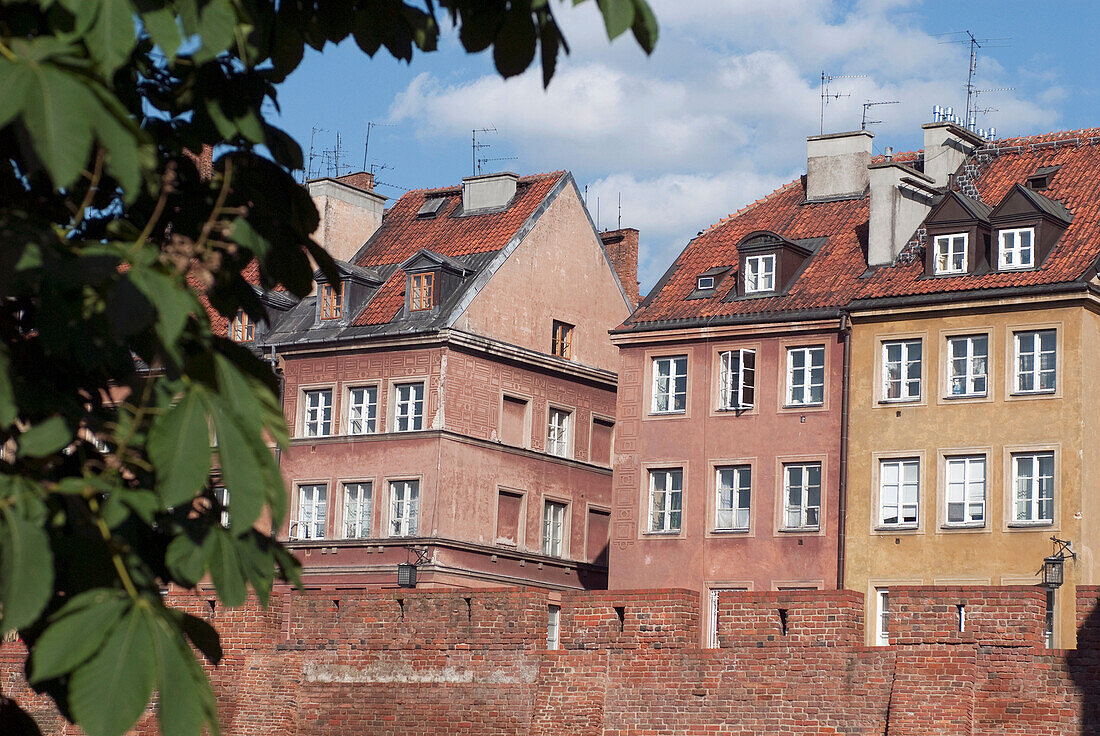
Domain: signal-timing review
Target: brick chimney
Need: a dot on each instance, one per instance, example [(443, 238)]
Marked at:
[(350, 212), (836, 164), (621, 247)]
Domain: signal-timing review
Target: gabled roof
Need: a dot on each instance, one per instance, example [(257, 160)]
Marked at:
[(1043, 204), (425, 256), (345, 269), (973, 208), (836, 275)]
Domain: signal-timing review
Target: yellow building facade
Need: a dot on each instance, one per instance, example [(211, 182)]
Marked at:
[(974, 438)]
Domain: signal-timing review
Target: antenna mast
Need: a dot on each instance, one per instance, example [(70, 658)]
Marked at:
[(826, 95), (487, 159), (867, 105), (475, 146), (366, 142)]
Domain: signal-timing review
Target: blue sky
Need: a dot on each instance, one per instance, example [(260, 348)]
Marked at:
[(715, 118)]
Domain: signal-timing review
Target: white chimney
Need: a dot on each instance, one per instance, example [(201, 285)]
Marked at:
[(836, 164), (901, 198), (946, 147), (349, 215), (487, 191)]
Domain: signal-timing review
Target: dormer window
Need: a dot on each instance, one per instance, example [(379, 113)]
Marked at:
[(704, 283), (1016, 249), (243, 329), (423, 290), (332, 301), (760, 273), (561, 342), (950, 252)]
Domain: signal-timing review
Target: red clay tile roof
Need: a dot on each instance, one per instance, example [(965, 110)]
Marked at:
[(402, 234), (835, 274)]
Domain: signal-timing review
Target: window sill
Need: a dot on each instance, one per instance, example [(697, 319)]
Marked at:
[(1030, 524), (906, 400), (951, 397), (730, 531), (670, 533), (1044, 392), (897, 528), (677, 413), (799, 529), (963, 525), (807, 405), (734, 409)]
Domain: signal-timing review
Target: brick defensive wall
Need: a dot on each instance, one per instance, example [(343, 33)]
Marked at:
[(331, 661)]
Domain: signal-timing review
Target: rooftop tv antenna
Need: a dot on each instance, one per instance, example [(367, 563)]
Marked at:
[(974, 44), (475, 146), (487, 159), (826, 95), (619, 224), (312, 136), (868, 105), (366, 141)]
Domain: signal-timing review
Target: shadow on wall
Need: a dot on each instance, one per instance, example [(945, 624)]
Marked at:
[(1084, 667)]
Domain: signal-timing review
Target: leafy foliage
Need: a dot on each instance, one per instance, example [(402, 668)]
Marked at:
[(113, 380)]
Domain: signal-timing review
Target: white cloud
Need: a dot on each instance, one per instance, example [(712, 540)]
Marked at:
[(718, 115)]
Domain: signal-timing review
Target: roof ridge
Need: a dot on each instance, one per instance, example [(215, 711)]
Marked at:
[(1024, 140), (750, 205), (526, 179)]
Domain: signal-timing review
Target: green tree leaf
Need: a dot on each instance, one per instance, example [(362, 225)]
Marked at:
[(111, 38), (26, 561), (56, 113), (76, 632), (516, 42), (110, 691), (45, 438), (8, 408), (645, 26), (15, 83), (225, 568), (179, 446), (618, 15), (161, 26), (185, 702)]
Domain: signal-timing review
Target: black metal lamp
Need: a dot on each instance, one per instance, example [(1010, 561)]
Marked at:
[(1054, 565), (406, 575)]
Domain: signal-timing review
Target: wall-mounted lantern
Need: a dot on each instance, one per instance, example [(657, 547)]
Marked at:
[(1053, 566), (406, 575)]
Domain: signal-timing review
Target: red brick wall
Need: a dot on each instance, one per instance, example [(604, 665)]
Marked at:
[(417, 662)]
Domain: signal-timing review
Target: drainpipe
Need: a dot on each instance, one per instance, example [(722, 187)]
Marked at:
[(842, 510)]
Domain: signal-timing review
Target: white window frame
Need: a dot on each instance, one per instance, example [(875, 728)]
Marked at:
[(317, 412), (671, 500), (739, 493), (712, 631), (969, 371), (312, 512), (1031, 485), (904, 381), (555, 515), (553, 626), (362, 410), (669, 393), (760, 273), (892, 493), (802, 511), (970, 491), (1030, 343), (802, 392), (882, 617), (704, 283), (945, 252), (559, 432), (737, 379), (358, 510), (1010, 255), (221, 495), (408, 407), (404, 508)]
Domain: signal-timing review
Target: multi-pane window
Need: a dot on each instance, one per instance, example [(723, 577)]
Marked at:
[(409, 407), (1033, 479), (805, 376), (732, 497), (553, 627), (363, 410), (901, 369), (1036, 361), (666, 489), (312, 500), (1017, 248), (968, 365), (557, 432), (561, 340), (357, 510), (221, 495), (966, 482), (670, 384), (553, 528), (882, 617), (760, 273), (950, 254), (404, 507), (317, 419), (899, 492), (802, 496), (737, 377), (243, 328), (423, 288), (332, 301)]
